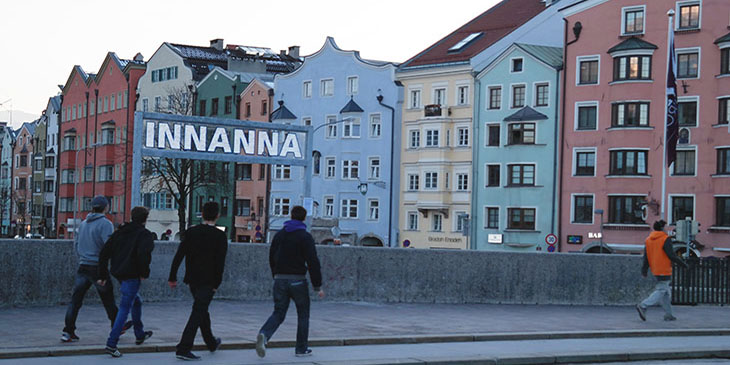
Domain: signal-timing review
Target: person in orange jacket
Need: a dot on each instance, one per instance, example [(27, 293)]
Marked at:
[(659, 255)]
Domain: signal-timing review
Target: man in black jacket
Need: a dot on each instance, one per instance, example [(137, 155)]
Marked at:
[(130, 251), (291, 255), (204, 247)]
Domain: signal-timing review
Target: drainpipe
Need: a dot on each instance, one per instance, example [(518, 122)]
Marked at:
[(475, 160), (392, 145), (126, 151), (555, 150)]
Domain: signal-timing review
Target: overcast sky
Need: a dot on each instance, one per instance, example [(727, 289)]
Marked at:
[(40, 41)]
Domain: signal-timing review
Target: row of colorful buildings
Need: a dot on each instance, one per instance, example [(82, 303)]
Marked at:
[(536, 126)]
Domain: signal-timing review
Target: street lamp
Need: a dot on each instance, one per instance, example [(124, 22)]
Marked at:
[(600, 211), (363, 188)]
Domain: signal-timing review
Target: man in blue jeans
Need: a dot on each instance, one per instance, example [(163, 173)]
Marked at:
[(291, 255), (130, 251)]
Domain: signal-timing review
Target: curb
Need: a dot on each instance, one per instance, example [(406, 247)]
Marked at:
[(424, 339)]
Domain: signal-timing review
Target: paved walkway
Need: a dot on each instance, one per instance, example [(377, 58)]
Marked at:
[(37, 330), (567, 351)]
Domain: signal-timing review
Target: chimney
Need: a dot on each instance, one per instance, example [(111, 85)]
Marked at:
[(294, 52), (138, 57), (217, 43), (282, 52)]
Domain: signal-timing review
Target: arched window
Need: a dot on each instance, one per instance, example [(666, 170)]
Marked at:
[(316, 157)]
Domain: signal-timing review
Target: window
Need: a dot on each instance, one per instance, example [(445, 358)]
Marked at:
[(21, 185), (521, 218), (521, 175), (518, 96), (633, 21), (685, 163), (517, 64), (67, 176), (106, 173), (37, 186), (493, 135), (585, 163), (243, 172), (722, 211), (725, 61), (228, 105), (89, 173), (625, 209), (65, 205), (723, 161), (329, 206), (492, 175), (49, 186), (633, 114), (281, 207), (462, 182), (583, 209), (415, 102), (242, 207), (628, 162), (332, 128), (158, 103), (413, 182), (688, 113), (632, 68), (689, 16), (462, 43), (351, 128), (262, 172), (432, 138), (521, 133), (316, 162), (145, 105), (331, 167), (248, 109), (414, 139), (214, 106), (374, 168), (350, 169), (307, 89), (588, 72), (431, 180), (495, 97), (688, 65), (682, 207), (587, 117), (107, 136), (462, 93), (326, 87), (352, 85), (437, 222), (23, 160), (373, 210), (412, 222), (349, 208), (724, 111), (491, 215), (265, 107), (282, 172), (462, 135), (375, 126), (542, 94), (439, 96)]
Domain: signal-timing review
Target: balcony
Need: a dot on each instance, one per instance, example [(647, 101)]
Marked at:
[(432, 110)]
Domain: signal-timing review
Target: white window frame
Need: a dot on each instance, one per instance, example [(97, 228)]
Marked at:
[(434, 90), (438, 142), (331, 129), (627, 9), (576, 114), (512, 64), (455, 222), (486, 216), (458, 184), (349, 125), (576, 150), (426, 181), (572, 208), (535, 85), (685, 148), (690, 50), (409, 214), (344, 202), (670, 205), (323, 89), (353, 85), (372, 167), (329, 209), (327, 167), (440, 221), (458, 137), (489, 97), (578, 60), (348, 166), (680, 4), (411, 178), (465, 88), (279, 203), (418, 99), (692, 98), (371, 124), (512, 95), (411, 133), (307, 89), (279, 172), (376, 208)]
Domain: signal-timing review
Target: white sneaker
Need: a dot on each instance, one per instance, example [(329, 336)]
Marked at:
[(261, 345)]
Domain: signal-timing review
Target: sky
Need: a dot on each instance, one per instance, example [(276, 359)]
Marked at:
[(40, 41)]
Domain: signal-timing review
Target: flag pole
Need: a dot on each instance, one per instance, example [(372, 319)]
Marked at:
[(670, 15)]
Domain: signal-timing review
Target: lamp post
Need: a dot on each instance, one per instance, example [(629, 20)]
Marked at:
[(600, 211)]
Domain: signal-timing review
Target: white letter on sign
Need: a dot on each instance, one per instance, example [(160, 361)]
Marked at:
[(220, 140), (165, 136), (240, 139), (291, 145), (271, 144), (191, 136), (150, 140)]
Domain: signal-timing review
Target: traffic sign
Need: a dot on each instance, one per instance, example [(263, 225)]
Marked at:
[(551, 239), (551, 248)]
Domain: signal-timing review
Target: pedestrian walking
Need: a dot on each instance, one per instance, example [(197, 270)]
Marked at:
[(89, 239), (291, 255), (659, 255), (204, 248), (130, 251)]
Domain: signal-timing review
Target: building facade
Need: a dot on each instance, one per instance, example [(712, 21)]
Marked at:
[(21, 194), (38, 224), (7, 140), (346, 99), (515, 194), (52, 116), (613, 125)]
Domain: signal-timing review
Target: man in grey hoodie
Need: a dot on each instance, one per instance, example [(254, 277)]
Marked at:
[(92, 235)]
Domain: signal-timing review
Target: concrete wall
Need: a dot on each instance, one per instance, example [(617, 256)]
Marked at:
[(41, 273)]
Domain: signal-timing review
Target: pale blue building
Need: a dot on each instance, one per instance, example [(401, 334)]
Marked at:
[(356, 156), (516, 154)]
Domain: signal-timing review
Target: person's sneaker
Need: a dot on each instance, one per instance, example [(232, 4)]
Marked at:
[(147, 334), (669, 317), (187, 356), (217, 345), (113, 351), (307, 352), (126, 326), (261, 345), (69, 337), (642, 312)]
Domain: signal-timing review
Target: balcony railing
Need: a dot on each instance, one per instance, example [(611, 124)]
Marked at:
[(432, 110)]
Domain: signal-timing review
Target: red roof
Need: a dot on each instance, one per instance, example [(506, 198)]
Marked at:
[(495, 23)]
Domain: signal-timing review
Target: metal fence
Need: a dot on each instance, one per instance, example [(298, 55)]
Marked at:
[(706, 281)]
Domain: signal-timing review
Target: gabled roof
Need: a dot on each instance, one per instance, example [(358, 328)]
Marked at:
[(200, 60), (55, 102), (282, 113), (631, 44), (29, 126), (723, 39), (267, 85), (551, 56), (351, 107), (525, 114), (491, 26)]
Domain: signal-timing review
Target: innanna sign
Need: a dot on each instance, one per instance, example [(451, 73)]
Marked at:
[(215, 139)]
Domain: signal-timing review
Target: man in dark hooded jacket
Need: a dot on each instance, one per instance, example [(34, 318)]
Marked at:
[(130, 251)]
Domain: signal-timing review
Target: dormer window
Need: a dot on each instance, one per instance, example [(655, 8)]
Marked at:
[(464, 42)]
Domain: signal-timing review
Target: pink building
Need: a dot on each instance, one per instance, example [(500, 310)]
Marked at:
[(614, 115)]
